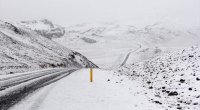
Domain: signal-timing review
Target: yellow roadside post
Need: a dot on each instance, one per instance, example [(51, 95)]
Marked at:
[(91, 75)]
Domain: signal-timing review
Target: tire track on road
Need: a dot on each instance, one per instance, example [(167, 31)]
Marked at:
[(13, 95)]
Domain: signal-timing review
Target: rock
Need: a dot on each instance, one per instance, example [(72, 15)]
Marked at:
[(190, 89), (191, 56), (148, 82), (151, 87), (182, 80), (195, 103), (158, 102), (174, 93)]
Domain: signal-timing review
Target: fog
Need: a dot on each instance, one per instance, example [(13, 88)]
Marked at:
[(67, 12)]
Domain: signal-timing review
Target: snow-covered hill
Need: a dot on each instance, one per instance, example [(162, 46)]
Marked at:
[(106, 40), (173, 78), (22, 49), (160, 33), (45, 28)]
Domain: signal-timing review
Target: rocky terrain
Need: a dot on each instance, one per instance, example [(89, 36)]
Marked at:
[(173, 78)]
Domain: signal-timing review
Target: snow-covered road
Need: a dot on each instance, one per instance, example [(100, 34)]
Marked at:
[(127, 56), (123, 58), (75, 92), (14, 80), (16, 87)]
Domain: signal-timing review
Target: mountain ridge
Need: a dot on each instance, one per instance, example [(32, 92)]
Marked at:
[(23, 49)]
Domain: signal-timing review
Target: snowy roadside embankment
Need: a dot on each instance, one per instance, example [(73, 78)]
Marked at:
[(173, 78), (23, 85), (76, 92)]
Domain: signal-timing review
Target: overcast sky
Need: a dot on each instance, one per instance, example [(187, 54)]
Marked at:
[(66, 12)]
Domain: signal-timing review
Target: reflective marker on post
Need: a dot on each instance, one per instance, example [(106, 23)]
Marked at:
[(91, 75)]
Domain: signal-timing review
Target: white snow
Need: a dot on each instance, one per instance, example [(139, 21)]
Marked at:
[(115, 39), (173, 78), (44, 27), (23, 49), (75, 92), (141, 53)]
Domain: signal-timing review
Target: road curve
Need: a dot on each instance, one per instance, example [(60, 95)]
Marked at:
[(125, 59), (128, 54), (14, 94)]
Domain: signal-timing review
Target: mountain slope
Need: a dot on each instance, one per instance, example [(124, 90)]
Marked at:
[(159, 33), (173, 78), (110, 41), (22, 49), (45, 28)]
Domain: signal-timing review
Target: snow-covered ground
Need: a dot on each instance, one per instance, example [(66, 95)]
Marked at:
[(160, 45), (75, 92), (142, 68), (173, 78)]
